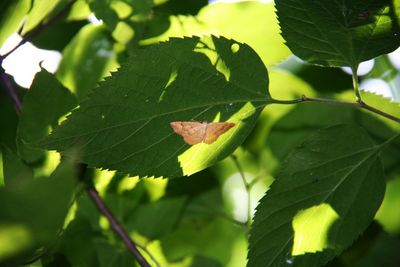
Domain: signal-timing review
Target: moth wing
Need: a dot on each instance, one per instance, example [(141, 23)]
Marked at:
[(192, 132), (215, 129)]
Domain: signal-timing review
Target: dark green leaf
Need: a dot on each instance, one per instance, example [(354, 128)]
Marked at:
[(339, 33), (154, 220), (33, 211), (198, 183), (77, 244), (214, 240), (203, 197), (326, 195), (180, 7), (43, 105), (200, 261), (384, 253), (110, 255), (321, 79), (13, 168), (359, 248), (125, 124), (58, 35), (102, 9)]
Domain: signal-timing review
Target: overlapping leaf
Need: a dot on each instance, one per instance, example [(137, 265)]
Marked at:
[(32, 213), (250, 22), (326, 194), (339, 33), (11, 17), (43, 105), (124, 124), (41, 11), (86, 59), (14, 169)]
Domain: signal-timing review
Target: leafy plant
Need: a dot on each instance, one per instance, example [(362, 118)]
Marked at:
[(307, 176)]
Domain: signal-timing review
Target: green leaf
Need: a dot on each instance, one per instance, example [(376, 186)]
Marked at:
[(42, 10), (339, 33), (33, 211), (249, 22), (180, 6), (214, 239), (111, 255), (14, 168), (384, 69), (321, 79), (125, 124), (283, 85), (203, 197), (58, 35), (383, 253), (325, 196), (46, 101), (102, 9), (83, 246), (204, 229), (125, 19), (79, 11), (86, 59), (154, 220), (200, 261), (387, 214), (385, 105), (303, 120), (79, 232), (11, 17), (198, 183)]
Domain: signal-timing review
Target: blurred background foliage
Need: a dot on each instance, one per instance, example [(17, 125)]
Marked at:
[(192, 221)]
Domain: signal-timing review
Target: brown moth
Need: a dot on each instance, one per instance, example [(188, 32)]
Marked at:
[(196, 132)]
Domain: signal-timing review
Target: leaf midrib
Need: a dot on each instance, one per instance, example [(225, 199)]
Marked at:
[(266, 101)]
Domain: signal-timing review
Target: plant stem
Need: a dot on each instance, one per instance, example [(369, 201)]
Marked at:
[(116, 226), (360, 104), (28, 36), (355, 84), (247, 186), (11, 90)]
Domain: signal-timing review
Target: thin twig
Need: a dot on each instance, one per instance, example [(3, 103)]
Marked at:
[(11, 90), (28, 36), (116, 226), (360, 104), (248, 190)]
